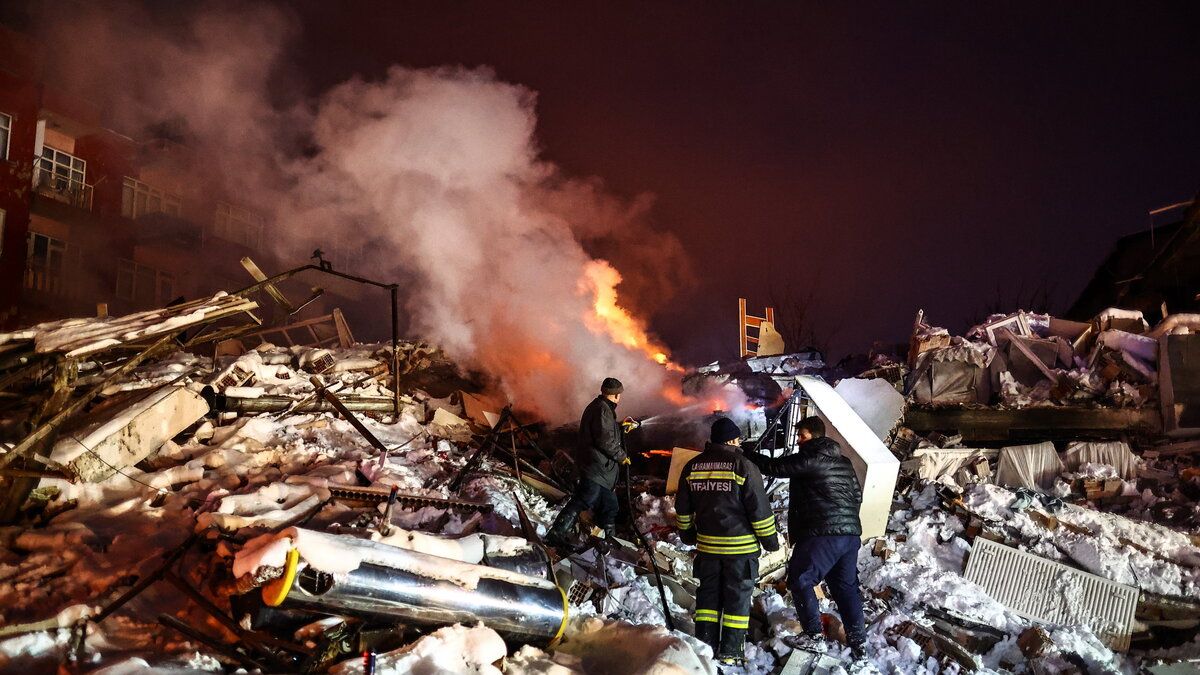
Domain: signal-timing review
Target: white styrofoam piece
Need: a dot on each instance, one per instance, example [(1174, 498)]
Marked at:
[(876, 401), (876, 466), (1044, 590)]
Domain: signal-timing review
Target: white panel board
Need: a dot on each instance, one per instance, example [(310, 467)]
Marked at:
[(876, 466)]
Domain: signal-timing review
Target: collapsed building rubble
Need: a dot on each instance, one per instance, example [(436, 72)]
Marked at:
[(288, 508)]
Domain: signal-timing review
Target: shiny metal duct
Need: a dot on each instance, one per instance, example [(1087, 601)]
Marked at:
[(402, 585)]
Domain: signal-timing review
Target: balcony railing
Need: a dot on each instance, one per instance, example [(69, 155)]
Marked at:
[(45, 279), (48, 182)]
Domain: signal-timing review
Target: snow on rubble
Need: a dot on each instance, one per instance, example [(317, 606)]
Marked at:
[(234, 480), (285, 494)]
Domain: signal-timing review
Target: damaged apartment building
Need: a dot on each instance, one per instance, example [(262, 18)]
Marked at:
[(93, 220)]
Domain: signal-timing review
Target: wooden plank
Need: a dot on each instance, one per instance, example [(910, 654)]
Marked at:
[(271, 289)]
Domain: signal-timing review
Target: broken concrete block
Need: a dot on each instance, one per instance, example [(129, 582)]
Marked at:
[(1031, 466), (124, 437), (1051, 592), (446, 424), (876, 466), (1033, 642)]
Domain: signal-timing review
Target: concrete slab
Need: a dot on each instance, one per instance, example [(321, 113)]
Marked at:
[(124, 437)]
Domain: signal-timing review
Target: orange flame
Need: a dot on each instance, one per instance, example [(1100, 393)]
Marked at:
[(608, 316)]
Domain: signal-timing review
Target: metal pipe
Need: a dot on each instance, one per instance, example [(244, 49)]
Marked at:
[(270, 404), (401, 585)]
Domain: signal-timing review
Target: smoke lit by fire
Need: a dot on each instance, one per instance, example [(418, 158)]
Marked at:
[(430, 176)]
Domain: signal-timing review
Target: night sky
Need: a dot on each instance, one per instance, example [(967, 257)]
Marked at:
[(897, 158), (938, 156)]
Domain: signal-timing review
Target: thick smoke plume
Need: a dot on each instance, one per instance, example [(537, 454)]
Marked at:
[(436, 173)]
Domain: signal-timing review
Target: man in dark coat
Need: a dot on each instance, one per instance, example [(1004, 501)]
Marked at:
[(599, 456), (824, 525), (722, 509)]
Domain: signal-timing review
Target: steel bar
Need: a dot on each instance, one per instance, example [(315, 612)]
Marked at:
[(228, 650), (354, 422)]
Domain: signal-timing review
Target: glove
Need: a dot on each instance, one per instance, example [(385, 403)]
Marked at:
[(629, 424), (770, 543), (626, 461), (688, 536)]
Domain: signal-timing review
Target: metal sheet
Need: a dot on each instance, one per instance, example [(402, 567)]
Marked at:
[(1050, 592)]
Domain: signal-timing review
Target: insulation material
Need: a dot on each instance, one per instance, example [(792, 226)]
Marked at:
[(1141, 346), (950, 376), (1115, 454), (127, 436), (1050, 592), (1031, 466), (933, 463), (877, 468), (876, 401)]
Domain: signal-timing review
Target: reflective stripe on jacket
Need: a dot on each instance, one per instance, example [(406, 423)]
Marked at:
[(722, 506)]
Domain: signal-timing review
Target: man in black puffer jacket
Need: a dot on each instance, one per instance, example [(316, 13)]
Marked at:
[(824, 526), (599, 456)]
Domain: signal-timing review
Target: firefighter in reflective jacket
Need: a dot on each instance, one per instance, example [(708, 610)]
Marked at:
[(722, 509)]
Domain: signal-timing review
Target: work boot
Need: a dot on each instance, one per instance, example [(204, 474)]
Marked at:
[(810, 642), (561, 529), (733, 645), (858, 651), (709, 632)]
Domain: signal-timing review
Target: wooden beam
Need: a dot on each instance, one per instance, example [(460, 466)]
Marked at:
[(1035, 423)]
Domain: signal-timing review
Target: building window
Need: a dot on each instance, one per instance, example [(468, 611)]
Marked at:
[(143, 284), (139, 199), (46, 264), (5, 134), (239, 225), (60, 175)]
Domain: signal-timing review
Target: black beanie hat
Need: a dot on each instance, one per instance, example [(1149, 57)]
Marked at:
[(724, 430), (611, 386)]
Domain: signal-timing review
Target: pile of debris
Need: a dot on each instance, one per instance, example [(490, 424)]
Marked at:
[(187, 489), (288, 508), (1111, 373)]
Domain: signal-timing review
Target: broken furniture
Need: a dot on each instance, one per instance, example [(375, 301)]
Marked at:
[(953, 375), (1179, 383)]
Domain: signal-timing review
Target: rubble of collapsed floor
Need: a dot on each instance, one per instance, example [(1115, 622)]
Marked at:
[(278, 472)]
